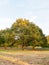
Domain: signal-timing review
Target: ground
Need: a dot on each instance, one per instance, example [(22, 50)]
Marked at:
[(24, 57)]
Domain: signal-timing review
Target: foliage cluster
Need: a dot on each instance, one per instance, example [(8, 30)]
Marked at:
[(23, 33)]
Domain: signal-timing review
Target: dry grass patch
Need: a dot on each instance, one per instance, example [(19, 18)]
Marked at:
[(13, 60), (26, 57)]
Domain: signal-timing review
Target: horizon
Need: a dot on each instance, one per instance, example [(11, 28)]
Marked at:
[(33, 10)]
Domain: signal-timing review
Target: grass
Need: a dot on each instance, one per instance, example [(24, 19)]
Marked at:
[(26, 57)]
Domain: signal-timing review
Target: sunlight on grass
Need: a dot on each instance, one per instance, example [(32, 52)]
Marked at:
[(13, 60), (26, 57)]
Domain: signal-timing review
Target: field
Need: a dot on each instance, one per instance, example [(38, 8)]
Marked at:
[(24, 57)]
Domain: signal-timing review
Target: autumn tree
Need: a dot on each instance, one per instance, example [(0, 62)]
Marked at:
[(28, 33), (23, 33)]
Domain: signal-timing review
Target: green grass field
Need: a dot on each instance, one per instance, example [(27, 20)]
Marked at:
[(24, 57)]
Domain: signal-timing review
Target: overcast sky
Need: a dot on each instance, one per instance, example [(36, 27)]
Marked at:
[(34, 10)]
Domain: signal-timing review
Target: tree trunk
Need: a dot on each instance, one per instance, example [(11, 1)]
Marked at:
[(33, 47), (23, 47)]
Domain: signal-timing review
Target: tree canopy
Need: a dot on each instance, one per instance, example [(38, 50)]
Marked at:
[(24, 33)]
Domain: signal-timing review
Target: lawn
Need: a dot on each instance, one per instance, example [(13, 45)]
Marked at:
[(24, 57)]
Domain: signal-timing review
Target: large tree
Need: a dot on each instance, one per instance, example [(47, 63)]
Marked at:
[(28, 33), (23, 33)]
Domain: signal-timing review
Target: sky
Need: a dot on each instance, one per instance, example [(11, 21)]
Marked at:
[(36, 11)]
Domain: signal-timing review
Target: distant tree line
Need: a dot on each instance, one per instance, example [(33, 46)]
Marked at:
[(23, 33)]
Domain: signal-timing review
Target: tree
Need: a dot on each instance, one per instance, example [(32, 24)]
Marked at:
[(7, 37), (29, 33), (24, 33)]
